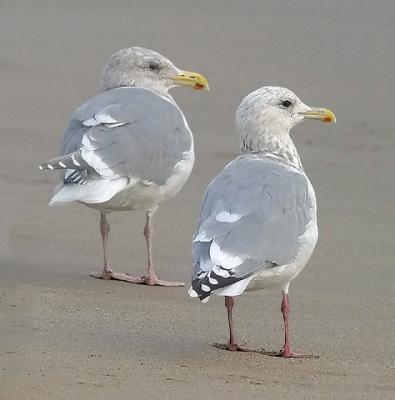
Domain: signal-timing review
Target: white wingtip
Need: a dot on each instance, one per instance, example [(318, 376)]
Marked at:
[(192, 292), (205, 288), (40, 167), (212, 281), (206, 299)]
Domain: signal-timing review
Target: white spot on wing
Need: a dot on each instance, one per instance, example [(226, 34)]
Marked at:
[(205, 288), (212, 281), (218, 271), (225, 216), (90, 122), (105, 119)]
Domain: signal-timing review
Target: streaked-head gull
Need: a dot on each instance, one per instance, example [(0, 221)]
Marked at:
[(258, 227), (129, 147)]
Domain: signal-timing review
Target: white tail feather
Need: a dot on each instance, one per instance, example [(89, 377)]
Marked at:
[(92, 192)]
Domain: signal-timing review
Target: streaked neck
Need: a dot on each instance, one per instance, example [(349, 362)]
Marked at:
[(279, 145)]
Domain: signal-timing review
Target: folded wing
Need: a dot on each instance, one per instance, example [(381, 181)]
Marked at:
[(253, 215), (121, 136)]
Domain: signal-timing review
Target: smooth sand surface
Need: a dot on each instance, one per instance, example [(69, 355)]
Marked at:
[(64, 335)]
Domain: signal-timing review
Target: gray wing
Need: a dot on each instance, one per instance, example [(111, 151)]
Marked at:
[(252, 216), (124, 132)]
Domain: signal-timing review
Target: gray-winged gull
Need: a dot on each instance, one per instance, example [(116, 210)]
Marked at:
[(129, 147), (258, 227)]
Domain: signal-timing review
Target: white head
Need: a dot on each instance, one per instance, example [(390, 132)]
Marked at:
[(140, 67), (266, 116)]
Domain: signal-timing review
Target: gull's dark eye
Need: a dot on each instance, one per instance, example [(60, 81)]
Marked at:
[(153, 66), (286, 103)]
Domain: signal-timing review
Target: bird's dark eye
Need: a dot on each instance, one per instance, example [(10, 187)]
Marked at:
[(153, 66), (286, 103)]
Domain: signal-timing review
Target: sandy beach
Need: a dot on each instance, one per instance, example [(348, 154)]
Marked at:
[(65, 335)]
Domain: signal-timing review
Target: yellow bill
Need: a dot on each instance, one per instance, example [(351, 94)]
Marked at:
[(193, 79), (322, 114)]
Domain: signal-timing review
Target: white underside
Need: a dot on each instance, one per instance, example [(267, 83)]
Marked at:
[(146, 195), (89, 193)]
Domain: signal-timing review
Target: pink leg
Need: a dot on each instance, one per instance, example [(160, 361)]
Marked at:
[(108, 273), (287, 351), (285, 309), (151, 279), (233, 344)]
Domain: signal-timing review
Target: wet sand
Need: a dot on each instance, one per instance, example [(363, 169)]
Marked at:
[(65, 335)]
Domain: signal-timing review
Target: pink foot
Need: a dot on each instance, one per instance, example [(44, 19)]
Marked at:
[(109, 274), (152, 280), (288, 353), (233, 347)]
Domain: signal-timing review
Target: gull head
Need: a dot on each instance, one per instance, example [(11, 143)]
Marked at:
[(140, 67), (275, 110)]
